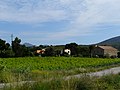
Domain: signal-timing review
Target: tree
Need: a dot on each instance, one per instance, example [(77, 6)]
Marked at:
[(57, 52), (91, 47), (8, 53), (5, 50), (73, 47), (2, 45), (20, 50), (25, 51), (84, 51), (118, 54), (49, 52), (16, 47)]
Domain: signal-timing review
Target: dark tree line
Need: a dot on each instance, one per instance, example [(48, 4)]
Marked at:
[(16, 50), (19, 50), (78, 50)]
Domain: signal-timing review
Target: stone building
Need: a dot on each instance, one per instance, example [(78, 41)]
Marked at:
[(102, 51)]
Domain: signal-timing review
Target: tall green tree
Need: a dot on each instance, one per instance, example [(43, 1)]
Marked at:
[(2, 45), (73, 47), (49, 51), (91, 48), (84, 51), (16, 47), (5, 50), (20, 50)]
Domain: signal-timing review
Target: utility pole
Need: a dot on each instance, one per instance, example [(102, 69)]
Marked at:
[(11, 39)]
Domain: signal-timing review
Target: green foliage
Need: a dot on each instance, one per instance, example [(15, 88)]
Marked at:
[(7, 53), (20, 50), (91, 47), (4, 49), (6, 76), (55, 63), (73, 47), (49, 52), (78, 50), (84, 51), (118, 54), (16, 47), (2, 44)]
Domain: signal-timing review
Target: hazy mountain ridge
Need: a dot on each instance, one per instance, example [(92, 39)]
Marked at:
[(28, 45), (115, 42)]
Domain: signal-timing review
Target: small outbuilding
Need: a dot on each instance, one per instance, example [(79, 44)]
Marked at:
[(40, 51)]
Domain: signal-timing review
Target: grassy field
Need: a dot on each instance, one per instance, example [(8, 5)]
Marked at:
[(44, 68), (110, 82)]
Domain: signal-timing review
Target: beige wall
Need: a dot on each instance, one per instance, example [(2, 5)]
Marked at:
[(98, 51), (110, 52)]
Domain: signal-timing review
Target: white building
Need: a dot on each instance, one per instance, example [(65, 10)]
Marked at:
[(67, 51)]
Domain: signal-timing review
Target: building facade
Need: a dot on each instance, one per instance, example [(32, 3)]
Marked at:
[(102, 51)]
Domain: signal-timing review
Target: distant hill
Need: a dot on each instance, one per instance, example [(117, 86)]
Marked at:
[(115, 42), (28, 45)]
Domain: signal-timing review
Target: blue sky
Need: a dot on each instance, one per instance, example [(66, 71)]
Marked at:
[(59, 21)]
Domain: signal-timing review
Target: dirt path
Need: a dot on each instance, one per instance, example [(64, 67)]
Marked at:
[(115, 70)]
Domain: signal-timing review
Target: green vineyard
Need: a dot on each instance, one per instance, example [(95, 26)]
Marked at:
[(54, 63)]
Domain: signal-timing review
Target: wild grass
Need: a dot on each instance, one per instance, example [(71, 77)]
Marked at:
[(110, 82)]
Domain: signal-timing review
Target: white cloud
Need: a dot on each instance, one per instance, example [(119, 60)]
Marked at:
[(83, 15), (95, 12), (28, 12), (80, 11), (35, 11)]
